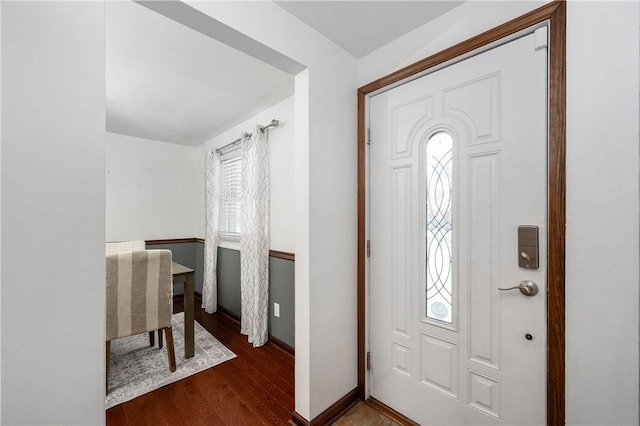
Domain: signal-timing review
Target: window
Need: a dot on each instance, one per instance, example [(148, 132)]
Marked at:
[(230, 197), (439, 226)]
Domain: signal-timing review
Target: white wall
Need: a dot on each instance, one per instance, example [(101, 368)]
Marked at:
[(602, 276), (0, 217), (602, 212), (282, 168), (326, 194), (52, 213), (155, 190), (152, 189)]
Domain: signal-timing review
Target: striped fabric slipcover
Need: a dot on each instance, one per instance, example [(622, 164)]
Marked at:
[(139, 292), (120, 246)]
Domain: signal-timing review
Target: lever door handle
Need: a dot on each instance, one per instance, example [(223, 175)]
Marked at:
[(528, 288)]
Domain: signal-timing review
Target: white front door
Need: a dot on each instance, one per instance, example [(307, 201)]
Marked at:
[(458, 162)]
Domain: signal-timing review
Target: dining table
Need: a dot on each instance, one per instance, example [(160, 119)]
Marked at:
[(185, 275)]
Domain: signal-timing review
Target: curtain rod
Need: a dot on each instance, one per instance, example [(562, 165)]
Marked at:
[(245, 135)]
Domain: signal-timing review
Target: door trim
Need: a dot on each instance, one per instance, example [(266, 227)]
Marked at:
[(555, 14)]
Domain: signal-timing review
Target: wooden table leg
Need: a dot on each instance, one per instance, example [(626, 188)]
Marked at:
[(189, 316)]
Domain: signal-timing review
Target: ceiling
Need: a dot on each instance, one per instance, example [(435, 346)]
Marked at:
[(360, 27), (167, 82)]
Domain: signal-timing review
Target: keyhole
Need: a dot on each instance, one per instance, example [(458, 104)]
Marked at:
[(528, 336)]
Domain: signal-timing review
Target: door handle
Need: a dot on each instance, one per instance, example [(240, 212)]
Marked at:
[(528, 288)]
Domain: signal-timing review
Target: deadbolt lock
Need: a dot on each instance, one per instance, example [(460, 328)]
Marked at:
[(528, 247)]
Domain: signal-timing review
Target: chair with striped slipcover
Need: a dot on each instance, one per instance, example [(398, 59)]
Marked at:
[(133, 245), (139, 294)]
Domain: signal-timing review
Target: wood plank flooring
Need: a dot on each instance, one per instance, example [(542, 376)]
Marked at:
[(256, 387)]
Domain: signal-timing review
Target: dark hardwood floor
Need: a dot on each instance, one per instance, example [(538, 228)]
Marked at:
[(256, 387)]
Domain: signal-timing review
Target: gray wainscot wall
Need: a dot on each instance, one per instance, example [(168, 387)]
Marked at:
[(281, 283), (281, 291), (189, 254)]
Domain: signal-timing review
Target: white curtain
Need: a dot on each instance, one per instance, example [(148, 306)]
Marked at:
[(212, 207), (254, 239)]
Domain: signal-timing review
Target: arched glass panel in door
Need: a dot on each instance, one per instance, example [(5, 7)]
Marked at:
[(439, 250)]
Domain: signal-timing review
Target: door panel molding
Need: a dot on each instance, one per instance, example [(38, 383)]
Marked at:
[(555, 14)]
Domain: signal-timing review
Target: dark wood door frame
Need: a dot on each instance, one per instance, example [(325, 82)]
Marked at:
[(555, 14)]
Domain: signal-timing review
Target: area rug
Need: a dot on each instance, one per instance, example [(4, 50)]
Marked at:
[(136, 368)]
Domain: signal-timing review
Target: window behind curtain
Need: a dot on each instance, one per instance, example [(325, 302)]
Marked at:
[(230, 197)]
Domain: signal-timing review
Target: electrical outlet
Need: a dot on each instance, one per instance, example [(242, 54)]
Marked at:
[(276, 310)]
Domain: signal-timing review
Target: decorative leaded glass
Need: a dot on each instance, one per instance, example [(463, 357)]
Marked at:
[(439, 168)]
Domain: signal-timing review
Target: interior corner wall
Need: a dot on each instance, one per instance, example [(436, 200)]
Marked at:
[(53, 213), (282, 173), (151, 189), (332, 232), (602, 258), (325, 199)]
